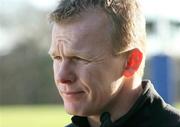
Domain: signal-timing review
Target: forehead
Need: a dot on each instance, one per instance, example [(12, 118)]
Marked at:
[(92, 29)]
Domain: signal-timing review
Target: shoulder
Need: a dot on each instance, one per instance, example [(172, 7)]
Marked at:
[(165, 116), (156, 112), (158, 115), (171, 114)]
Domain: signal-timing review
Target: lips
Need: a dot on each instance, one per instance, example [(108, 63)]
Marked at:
[(70, 94), (73, 95)]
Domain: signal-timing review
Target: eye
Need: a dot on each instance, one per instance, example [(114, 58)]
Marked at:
[(78, 59), (56, 57)]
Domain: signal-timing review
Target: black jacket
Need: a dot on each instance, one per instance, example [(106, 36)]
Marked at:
[(150, 110)]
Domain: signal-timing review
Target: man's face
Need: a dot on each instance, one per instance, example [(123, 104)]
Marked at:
[(86, 73)]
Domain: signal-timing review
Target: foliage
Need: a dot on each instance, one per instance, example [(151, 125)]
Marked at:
[(26, 75)]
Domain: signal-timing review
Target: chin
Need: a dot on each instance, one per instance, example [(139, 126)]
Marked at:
[(77, 110), (73, 109)]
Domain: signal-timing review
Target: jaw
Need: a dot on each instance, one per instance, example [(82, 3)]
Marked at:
[(125, 98)]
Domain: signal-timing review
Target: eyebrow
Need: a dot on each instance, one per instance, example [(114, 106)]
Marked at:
[(75, 53), (52, 51)]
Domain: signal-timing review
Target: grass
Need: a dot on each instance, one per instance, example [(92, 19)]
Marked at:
[(33, 116)]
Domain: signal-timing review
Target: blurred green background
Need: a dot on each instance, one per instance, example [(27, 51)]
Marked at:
[(28, 96), (33, 116)]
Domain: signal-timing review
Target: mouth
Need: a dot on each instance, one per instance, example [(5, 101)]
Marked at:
[(73, 95)]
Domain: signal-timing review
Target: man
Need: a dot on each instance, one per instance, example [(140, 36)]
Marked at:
[(98, 52)]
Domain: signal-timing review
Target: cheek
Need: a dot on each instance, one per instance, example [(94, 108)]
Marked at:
[(56, 67), (96, 83), (56, 64)]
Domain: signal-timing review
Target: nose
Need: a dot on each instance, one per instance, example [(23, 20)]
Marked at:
[(64, 73)]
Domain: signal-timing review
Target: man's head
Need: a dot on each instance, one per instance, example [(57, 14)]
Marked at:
[(96, 45), (125, 17)]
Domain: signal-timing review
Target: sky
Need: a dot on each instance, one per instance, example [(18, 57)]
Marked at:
[(167, 8), (7, 7), (43, 4), (164, 9)]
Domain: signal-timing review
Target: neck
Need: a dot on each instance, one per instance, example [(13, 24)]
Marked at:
[(94, 121), (121, 103)]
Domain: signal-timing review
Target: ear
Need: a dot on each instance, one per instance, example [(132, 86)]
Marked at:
[(133, 62)]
